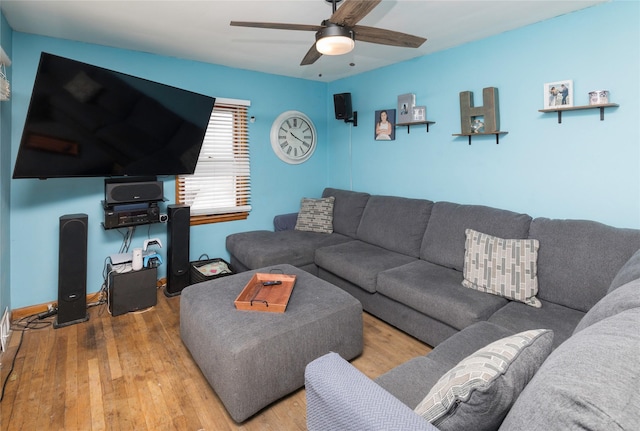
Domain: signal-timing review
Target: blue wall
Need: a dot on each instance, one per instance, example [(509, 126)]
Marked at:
[(582, 168)]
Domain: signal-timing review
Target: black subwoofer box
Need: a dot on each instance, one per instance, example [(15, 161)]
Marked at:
[(131, 291)]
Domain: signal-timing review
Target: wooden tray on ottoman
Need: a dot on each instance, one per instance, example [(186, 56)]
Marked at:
[(273, 297)]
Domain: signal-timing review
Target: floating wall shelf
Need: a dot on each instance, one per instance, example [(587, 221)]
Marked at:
[(579, 108), (481, 134), (415, 124)]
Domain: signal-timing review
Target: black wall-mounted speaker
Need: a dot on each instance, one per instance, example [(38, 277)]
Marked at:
[(342, 106), (125, 190), (72, 270), (178, 228)]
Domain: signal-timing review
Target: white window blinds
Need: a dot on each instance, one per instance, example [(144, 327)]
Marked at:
[(220, 188)]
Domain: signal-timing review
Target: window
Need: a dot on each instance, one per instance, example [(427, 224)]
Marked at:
[(220, 188)]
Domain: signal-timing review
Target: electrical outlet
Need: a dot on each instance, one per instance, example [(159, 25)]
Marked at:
[(5, 329)]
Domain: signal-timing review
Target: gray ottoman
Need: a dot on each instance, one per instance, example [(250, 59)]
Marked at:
[(253, 358)]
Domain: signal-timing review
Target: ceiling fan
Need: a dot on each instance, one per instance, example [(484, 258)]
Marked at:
[(337, 35)]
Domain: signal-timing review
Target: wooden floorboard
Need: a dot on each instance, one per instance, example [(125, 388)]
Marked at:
[(132, 372)]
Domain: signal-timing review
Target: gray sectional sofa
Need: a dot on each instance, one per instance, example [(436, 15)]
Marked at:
[(589, 382), (404, 260)]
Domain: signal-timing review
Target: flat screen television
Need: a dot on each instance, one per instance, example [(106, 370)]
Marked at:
[(87, 121)]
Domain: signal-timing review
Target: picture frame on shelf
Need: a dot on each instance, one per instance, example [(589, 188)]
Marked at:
[(419, 114), (406, 102), (558, 94), (384, 129)]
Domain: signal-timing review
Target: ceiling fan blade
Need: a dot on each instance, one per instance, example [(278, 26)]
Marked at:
[(312, 55), (275, 25), (352, 11), (387, 37)]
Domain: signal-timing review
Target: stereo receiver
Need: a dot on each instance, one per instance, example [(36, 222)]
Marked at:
[(116, 216)]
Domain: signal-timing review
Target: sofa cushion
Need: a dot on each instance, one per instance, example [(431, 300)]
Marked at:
[(347, 210), (518, 317), (444, 238), (621, 299), (590, 382), (437, 292), (466, 342), (359, 262), (395, 223), (257, 249), (411, 381), (316, 215), (477, 393), (503, 267), (629, 271), (579, 256)]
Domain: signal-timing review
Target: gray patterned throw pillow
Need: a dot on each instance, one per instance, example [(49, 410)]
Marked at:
[(503, 267), (478, 392), (316, 215)]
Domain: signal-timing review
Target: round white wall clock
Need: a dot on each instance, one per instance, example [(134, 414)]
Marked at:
[(293, 137)]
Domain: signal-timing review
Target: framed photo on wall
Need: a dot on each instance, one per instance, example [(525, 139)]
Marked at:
[(558, 94), (384, 128), (406, 102), (419, 113)]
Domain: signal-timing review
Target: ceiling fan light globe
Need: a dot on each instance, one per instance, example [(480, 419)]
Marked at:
[(334, 39), (335, 45)]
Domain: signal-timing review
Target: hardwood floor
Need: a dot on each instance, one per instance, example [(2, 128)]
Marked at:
[(132, 372)]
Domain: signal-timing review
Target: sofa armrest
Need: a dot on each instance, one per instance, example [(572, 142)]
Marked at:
[(285, 221), (340, 397)]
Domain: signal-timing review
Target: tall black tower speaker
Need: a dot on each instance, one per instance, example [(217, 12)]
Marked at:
[(72, 270), (342, 106), (178, 226)]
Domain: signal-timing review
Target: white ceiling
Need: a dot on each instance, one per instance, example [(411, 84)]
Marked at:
[(199, 30)]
